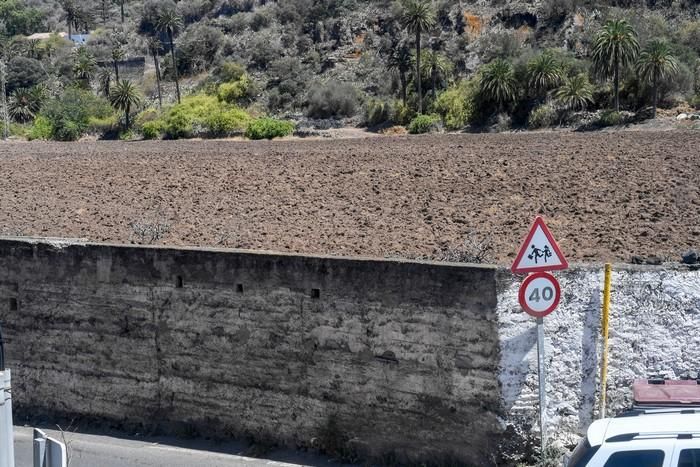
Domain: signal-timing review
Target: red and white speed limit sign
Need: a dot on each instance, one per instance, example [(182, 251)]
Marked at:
[(539, 294)]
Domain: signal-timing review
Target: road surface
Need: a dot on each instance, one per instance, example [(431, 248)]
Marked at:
[(88, 450)]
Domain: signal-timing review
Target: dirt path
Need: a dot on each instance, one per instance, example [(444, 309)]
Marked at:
[(606, 196)]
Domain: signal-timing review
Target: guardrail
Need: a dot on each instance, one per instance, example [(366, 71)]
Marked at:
[(48, 452)]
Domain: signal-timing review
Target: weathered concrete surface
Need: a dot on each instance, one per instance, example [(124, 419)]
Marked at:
[(654, 327), (388, 359)]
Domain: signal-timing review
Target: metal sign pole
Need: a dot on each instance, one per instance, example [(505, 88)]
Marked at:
[(540, 373)]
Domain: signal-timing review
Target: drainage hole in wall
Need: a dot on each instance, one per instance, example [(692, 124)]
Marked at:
[(178, 282), (13, 304), (315, 293), (239, 288)]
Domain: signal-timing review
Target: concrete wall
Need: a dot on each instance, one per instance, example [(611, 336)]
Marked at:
[(387, 359), (383, 359), (654, 328)]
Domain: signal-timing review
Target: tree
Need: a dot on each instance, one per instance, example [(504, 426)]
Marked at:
[(85, 66), (401, 62), (24, 103), (434, 66), (170, 22), (121, 7), (71, 14), (117, 56), (498, 82), (615, 45), (123, 97), (656, 62), (543, 73), (418, 16), (3, 91), (154, 47), (575, 93), (104, 78)]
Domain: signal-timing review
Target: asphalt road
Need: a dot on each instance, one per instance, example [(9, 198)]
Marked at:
[(89, 450)]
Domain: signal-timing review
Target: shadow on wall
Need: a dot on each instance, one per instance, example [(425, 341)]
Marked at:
[(589, 360), (517, 365)]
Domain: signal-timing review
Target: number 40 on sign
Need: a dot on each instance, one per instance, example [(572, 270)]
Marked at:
[(539, 293)]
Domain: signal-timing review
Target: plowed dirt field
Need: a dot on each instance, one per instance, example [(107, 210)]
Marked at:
[(605, 196)]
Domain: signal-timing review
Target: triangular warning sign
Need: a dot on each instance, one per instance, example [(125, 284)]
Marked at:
[(539, 251)]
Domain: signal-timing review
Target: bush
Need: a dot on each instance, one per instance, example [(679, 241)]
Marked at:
[(333, 100), (268, 128), (543, 116), (378, 112), (403, 114), (226, 123), (71, 114), (424, 124), (234, 91), (229, 72), (178, 124), (41, 129), (610, 118), (695, 102), (104, 125), (456, 106), (152, 130)]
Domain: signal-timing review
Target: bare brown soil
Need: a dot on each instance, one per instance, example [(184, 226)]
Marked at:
[(605, 196)]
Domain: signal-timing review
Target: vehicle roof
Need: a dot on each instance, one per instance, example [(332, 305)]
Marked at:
[(661, 424)]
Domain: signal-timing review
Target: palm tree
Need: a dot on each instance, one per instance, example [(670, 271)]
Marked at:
[(24, 104), (154, 46), (401, 62), (498, 82), (169, 22), (85, 66), (656, 62), (543, 73), (71, 14), (123, 97), (121, 7), (435, 65), (418, 16), (575, 93), (117, 56), (4, 55), (615, 45), (104, 77)]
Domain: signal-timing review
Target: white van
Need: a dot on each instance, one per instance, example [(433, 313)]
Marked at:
[(661, 430)]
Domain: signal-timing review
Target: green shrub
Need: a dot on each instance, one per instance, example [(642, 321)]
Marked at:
[(147, 115), (332, 100), (152, 129), (229, 72), (100, 126), (41, 129), (543, 116), (234, 91), (70, 114), (403, 114), (378, 112), (695, 101), (423, 124), (178, 124), (610, 118), (456, 106), (226, 123), (268, 128)]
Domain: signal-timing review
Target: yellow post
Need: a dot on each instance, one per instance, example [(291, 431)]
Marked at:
[(604, 330)]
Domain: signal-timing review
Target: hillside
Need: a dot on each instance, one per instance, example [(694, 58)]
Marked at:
[(353, 58)]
